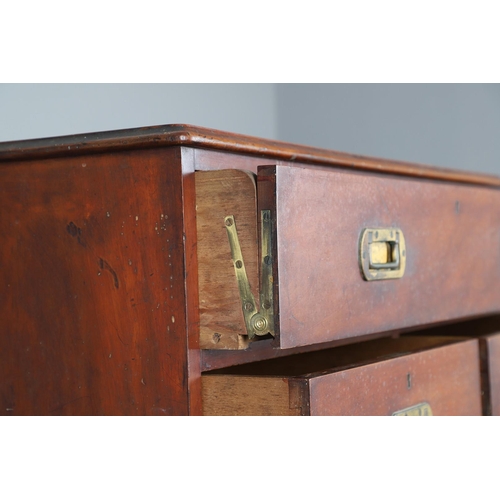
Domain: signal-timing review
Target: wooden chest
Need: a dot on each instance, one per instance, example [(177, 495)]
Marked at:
[(134, 261)]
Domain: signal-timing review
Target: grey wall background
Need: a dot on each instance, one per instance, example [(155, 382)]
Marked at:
[(47, 110), (455, 126), (447, 125)]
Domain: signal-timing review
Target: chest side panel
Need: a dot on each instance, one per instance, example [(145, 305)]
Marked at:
[(92, 285)]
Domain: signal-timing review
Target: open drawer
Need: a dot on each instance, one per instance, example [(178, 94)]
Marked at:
[(310, 254), (439, 376)]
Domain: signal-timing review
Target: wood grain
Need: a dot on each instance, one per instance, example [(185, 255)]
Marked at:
[(342, 356), (191, 281), (452, 237), (92, 286), (199, 137), (249, 396), (219, 194), (99, 282), (444, 376), (264, 350)]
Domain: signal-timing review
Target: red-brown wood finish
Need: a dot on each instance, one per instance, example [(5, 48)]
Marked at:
[(209, 139), (264, 350), (378, 377), (191, 276), (452, 237), (92, 286), (98, 284), (447, 378)]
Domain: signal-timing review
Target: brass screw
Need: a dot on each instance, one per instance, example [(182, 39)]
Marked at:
[(229, 222), (248, 306), (238, 264), (259, 323)]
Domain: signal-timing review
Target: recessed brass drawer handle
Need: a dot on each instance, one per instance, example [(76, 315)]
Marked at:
[(382, 253), (391, 249), (420, 410)]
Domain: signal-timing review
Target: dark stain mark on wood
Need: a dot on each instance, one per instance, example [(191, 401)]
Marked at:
[(105, 265), (73, 229), (76, 232)]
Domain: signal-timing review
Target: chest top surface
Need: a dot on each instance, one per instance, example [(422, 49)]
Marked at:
[(180, 135)]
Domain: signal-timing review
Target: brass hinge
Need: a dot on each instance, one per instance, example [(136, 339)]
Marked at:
[(257, 322)]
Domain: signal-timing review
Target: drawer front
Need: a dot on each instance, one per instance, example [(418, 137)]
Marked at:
[(452, 239), (440, 381), (445, 379)]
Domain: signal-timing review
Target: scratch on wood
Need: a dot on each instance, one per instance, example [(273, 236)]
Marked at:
[(105, 265)]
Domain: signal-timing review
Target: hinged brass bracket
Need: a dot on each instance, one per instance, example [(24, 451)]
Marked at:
[(257, 322)]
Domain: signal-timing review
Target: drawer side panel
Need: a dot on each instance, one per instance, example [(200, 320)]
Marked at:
[(492, 371)]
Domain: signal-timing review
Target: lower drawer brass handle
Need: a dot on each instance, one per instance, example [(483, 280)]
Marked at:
[(420, 410), (382, 253)]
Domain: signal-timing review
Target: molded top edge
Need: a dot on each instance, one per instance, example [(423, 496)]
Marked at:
[(192, 136)]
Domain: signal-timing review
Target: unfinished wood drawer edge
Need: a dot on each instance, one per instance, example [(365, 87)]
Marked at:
[(220, 193), (231, 395)]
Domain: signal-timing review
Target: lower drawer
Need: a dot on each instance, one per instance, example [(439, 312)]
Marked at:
[(442, 380)]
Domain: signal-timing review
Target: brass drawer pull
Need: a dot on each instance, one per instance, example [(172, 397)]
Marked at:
[(420, 410), (392, 251), (382, 253)]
